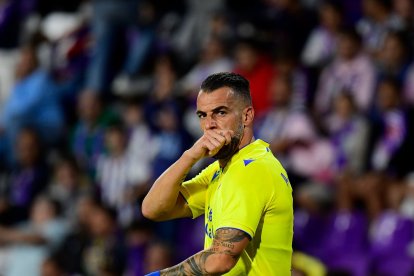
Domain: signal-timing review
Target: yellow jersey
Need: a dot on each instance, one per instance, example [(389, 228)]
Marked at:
[(251, 193)]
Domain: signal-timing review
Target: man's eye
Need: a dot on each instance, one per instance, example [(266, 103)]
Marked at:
[(201, 116), (221, 113)]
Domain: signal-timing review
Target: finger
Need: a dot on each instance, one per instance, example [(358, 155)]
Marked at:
[(212, 140), (227, 134), (209, 146), (218, 136)]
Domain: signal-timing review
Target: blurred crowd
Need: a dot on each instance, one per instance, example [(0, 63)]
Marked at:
[(97, 99)]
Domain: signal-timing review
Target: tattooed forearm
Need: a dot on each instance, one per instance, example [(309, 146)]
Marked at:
[(228, 242), (194, 265)]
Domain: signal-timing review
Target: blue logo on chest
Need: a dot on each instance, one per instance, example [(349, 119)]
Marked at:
[(247, 161), (215, 175)]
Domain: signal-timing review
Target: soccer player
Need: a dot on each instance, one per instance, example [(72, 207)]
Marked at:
[(245, 195)]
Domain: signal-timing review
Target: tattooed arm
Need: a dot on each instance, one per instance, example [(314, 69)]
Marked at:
[(220, 258)]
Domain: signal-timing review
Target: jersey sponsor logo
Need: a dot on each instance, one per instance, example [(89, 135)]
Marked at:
[(209, 227), (210, 214), (209, 231)]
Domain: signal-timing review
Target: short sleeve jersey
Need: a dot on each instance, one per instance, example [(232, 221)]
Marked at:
[(251, 193)]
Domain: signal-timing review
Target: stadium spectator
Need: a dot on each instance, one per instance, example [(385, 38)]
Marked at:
[(189, 39), (171, 139), (384, 160), (290, 133), (27, 180), (33, 102), (51, 267), (393, 57), (139, 134), (67, 186), (348, 132), (290, 23), (70, 254), (394, 126), (110, 19), (212, 60), (13, 15), (33, 240), (158, 255), (162, 92), (286, 65), (87, 141), (105, 253), (118, 180), (376, 23), (408, 93), (322, 42), (352, 70), (403, 15), (253, 65), (140, 36), (139, 235)]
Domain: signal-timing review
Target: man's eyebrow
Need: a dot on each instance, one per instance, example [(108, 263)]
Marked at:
[(219, 108), (198, 112)]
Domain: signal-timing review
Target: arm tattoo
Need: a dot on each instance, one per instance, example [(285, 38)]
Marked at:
[(228, 237), (224, 243), (194, 265)]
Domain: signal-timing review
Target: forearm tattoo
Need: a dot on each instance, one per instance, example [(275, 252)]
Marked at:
[(225, 242)]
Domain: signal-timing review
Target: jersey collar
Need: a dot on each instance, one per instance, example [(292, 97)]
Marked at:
[(244, 152)]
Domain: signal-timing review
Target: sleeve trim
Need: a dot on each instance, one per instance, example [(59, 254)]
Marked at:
[(184, 193), (238, 226)]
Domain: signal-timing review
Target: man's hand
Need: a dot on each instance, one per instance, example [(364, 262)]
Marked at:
[(210, 143)]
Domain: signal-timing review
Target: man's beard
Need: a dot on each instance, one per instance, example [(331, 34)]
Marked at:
[(227, 151)]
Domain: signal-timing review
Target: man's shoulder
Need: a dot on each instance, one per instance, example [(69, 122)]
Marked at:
[(258, 166)]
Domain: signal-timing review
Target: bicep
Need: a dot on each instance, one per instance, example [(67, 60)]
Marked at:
[(230, 241)]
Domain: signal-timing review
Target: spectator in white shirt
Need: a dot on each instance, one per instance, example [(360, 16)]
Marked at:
[(321, 44), (117, 177), (351, 70)]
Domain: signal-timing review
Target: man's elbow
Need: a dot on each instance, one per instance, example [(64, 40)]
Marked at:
[(150, 213)]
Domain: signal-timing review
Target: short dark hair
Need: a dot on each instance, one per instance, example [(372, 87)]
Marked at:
[(107, 210), (239, 84), (392, 81), (351, 33), (385, 4), (336, 5)]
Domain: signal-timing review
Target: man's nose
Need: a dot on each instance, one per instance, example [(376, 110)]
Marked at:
[(210, 123)]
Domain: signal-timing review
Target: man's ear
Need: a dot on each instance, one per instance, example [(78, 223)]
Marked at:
[(248, 116)]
